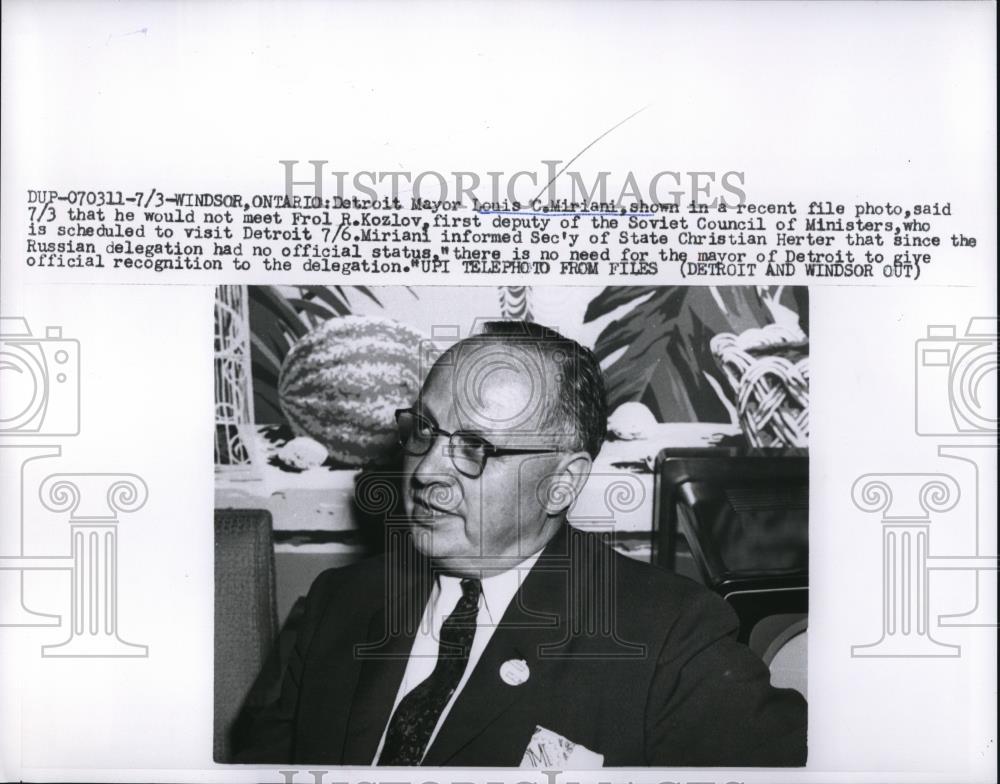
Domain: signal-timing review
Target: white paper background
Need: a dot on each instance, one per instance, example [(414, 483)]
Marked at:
[(831, 101)]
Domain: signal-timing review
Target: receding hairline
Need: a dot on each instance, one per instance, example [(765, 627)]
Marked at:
[(552, 417), (500, 344)]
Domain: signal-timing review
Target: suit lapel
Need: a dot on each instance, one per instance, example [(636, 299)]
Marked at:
[(535, 620)]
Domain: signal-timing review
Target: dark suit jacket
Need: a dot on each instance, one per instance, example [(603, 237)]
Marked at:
[(630, 661)]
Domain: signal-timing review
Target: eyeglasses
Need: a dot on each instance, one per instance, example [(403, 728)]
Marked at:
[(468, 451)]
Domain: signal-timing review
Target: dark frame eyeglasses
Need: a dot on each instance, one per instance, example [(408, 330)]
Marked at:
[(468, 451)]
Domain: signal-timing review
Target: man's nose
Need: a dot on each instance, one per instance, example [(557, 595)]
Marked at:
[(434, 466), (434, 480)]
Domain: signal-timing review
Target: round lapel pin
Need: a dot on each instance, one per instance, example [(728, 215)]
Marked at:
[(514, 672)]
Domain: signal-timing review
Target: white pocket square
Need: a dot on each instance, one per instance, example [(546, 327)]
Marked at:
[(548, 749)]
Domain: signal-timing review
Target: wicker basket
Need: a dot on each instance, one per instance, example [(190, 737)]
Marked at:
[(769, 371)]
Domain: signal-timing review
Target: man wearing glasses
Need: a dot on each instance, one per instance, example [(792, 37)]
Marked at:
[(493, 633)]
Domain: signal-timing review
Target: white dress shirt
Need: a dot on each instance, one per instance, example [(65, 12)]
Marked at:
[(498, 591)]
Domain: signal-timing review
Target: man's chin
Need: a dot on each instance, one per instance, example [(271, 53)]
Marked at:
[(438, 533), (442, 541)]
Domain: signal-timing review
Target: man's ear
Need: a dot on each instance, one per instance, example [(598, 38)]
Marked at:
[(566, 482)]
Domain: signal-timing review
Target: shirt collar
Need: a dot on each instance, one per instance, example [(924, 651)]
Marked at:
[(499, 588)]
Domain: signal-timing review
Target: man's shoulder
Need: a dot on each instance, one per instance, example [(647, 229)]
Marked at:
[(649, 592), (359, 579), (592, 550)]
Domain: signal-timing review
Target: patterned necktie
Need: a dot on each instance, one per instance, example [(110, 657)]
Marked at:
[(418, 712)]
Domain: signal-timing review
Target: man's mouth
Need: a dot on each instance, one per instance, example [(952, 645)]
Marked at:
[(423, 507)]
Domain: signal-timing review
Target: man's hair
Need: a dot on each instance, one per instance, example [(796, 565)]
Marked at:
[(580, 404)]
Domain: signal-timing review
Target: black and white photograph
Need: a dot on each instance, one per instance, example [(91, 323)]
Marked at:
[(549, 392), (500, 544)]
